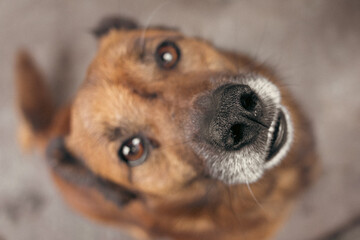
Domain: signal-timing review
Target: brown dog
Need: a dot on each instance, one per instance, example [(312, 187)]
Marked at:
[(169, 136)]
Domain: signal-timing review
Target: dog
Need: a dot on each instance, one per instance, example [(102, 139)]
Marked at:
[(171, 137)]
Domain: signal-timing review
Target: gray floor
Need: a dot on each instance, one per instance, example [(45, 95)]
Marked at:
[(315, 45)]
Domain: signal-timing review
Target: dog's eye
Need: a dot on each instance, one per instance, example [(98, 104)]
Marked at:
[(167, 55), (134, 151)]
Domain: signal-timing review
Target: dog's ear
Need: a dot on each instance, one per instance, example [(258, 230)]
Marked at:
[(112, 22), (39, 118), (76, 174), (34, 102)]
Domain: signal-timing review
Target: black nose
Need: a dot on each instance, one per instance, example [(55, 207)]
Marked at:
[(236, 117)]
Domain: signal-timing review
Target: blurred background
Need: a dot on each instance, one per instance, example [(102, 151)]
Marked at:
[(314, 46)]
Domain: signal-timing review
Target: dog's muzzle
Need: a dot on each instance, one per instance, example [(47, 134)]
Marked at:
[(241, 129)]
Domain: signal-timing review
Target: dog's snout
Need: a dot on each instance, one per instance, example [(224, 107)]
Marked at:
[(236, 117)]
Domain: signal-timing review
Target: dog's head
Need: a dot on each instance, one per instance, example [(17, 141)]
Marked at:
[(160, 113)]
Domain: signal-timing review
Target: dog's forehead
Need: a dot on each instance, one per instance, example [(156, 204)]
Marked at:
[(127, 58)]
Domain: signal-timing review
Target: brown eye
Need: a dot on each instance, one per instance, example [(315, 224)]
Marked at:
[(167, 55), (134, 151)]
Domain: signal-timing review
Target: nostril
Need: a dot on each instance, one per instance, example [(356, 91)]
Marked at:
[(235, 135), (249, 101)]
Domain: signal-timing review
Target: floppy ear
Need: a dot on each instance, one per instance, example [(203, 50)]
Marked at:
[(34, 102), (40, 120), (112, 22)]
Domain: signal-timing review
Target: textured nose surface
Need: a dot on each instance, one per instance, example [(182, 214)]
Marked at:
[(237, 117)]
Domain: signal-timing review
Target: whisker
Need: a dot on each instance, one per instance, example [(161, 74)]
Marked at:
[(148, 22), (249, 187), (253, 196), (231, 206)]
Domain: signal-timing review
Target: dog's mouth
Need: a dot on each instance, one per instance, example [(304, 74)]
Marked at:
[(278, 137)]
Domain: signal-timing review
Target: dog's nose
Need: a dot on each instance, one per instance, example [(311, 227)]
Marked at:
[(236, 117)]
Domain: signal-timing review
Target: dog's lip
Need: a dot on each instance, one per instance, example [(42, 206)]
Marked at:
[(279, 136)]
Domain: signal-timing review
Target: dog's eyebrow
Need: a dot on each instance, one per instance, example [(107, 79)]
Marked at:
[(112, 133), (164, 36)]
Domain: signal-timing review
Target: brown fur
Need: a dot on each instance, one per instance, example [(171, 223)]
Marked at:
[(125, 93)]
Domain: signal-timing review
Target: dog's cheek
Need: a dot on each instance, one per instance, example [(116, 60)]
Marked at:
[(164, 172)]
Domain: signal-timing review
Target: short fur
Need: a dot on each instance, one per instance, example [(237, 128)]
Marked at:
[(172, 193)]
